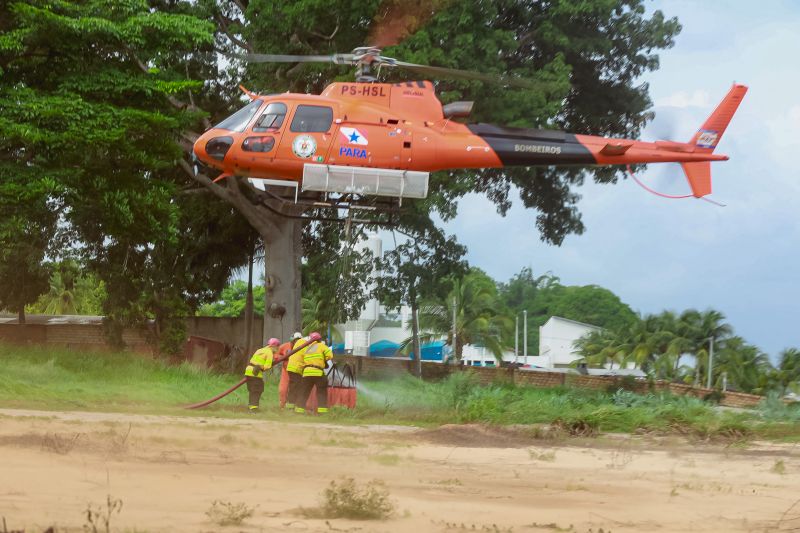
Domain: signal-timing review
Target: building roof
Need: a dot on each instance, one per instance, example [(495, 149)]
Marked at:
[(558, 318), (635, 372), (52, 320)]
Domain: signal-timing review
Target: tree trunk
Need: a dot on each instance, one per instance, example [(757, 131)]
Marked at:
[(282, 250), (696, 370), (248, 308), (281, 235), (21, 315)]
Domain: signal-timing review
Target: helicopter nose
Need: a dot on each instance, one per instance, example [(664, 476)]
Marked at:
[(212, 147)]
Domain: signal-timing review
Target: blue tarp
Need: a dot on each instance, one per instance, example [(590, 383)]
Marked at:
[(431, 351), (383, 348)]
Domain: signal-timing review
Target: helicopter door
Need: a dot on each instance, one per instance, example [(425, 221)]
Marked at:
[(266, 133), (308, 136), (367, 145)]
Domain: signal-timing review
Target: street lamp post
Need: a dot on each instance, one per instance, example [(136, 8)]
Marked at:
[(710, 360), (516, 339), (525, 335), (454, 348)]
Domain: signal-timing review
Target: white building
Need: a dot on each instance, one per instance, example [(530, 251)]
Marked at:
[(556, 341), (380, 331)]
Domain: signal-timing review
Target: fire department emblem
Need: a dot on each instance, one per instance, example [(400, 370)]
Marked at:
[(304, 146)]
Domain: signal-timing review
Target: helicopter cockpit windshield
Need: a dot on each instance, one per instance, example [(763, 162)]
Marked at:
[(239, 120)]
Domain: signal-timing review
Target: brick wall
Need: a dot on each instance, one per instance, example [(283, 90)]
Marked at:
[(376, 367), (539, 379), (388, 367), (75, 336), (226, 329), (489, 375)]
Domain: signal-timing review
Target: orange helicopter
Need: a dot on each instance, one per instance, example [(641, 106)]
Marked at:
[(367, 138)]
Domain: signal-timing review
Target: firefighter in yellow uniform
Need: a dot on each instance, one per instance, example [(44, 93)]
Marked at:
[(315, 359), (259, 362), (294, 367)]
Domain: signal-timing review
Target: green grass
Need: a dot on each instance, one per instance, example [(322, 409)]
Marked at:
[(56, 378), (59, 379)]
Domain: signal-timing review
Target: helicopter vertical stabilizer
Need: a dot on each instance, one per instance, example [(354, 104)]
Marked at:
[(705, 140), (710, 133)]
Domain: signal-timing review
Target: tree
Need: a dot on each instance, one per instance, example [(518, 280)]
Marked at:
[(480, 318), (599, 348), (89, 100), (703, 326), (419, 266), (27, 227), (72, 292), (105, 97), (231, 301), (545, 296), (788, 371), (570, 59), (746, 367)]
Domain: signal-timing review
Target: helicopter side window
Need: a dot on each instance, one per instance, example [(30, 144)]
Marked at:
[(272, 119), (312, 118), (239, 120)]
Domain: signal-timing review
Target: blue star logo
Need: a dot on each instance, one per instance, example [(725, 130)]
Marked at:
[(354, 137)]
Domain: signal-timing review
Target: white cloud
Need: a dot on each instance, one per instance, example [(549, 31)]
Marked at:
[(697, 98)]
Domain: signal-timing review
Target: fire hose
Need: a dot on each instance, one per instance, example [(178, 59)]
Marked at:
[(243, 381)]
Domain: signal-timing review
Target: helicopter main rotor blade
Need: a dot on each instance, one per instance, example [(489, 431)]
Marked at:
[(339, 59), (471, 75)]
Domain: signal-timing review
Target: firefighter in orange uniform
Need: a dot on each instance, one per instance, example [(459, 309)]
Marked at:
[(284, 390)]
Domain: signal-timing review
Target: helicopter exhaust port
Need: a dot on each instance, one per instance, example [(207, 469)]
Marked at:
[(365, 181)]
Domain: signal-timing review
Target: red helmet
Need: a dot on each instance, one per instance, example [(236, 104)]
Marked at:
[(273, 342), (315, 336)]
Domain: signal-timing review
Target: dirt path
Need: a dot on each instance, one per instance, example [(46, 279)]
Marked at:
[(168, 470)]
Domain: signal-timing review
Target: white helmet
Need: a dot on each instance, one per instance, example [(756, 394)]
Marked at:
[(297, 335)]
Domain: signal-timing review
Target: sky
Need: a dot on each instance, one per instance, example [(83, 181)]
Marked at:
[(655, 253)]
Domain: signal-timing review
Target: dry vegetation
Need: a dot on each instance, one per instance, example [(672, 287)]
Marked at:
[(346, 499)]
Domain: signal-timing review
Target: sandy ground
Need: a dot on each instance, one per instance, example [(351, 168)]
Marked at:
[(168, 471)]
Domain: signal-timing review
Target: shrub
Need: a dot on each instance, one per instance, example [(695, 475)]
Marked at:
[(347, 500), (229, 514)]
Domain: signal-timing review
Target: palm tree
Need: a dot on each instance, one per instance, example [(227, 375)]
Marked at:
[(746, 366), (313, 313), (71, 292), (788, 371), (701, 328), (479, 316), (599, 348)]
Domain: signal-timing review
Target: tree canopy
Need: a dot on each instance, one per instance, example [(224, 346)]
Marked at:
[(544, 296), (99, 103)]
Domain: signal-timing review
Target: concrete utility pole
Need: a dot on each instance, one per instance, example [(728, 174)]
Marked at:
[(453, 348), (525, 335), (516, 339), (710, 360)]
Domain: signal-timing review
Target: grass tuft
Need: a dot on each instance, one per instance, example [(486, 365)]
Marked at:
[(229, 514), (347, 500)]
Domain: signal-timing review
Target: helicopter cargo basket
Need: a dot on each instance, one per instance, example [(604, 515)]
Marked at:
[(365, 181)]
